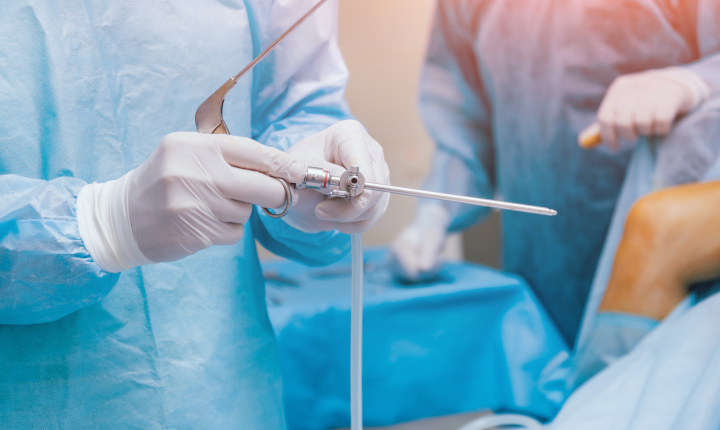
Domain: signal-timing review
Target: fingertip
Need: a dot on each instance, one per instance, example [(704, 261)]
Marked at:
[(323, 214), (627, 133), (296, 170), (609, 136), (353, 227), (644, 127), (663, 121), (662, 128), (338, 210), (362, 201)]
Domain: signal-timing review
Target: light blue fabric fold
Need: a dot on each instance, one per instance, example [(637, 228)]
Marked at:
[(612, 335)]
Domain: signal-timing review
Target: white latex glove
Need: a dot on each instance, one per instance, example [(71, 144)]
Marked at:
[(644, 104), (415, 253), (191, 193), (335, 149)]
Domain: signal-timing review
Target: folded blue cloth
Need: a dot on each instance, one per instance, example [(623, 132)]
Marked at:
[(475, 338)]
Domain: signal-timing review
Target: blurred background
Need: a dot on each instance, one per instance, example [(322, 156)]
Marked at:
[(384, 47)]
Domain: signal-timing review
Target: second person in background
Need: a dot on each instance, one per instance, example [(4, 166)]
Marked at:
[(505, 91)]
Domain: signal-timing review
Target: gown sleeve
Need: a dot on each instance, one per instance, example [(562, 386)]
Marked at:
[(298, 90), (692, 148), (708, 68), (457, 115), (705, 29), (45, 270)]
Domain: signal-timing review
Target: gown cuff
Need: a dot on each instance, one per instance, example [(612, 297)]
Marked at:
[(105, 227), (699, 88)]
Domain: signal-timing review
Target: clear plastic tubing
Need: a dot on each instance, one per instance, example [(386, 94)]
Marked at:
[(356, 317)]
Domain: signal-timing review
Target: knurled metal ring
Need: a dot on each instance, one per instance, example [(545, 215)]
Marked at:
[(288, 200)]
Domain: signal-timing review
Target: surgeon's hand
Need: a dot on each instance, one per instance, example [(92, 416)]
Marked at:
[(416, 252), (191, 193), (335, 149), (644, 104)]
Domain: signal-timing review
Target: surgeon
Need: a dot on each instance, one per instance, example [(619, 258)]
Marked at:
[(505, 92), (131, 295)]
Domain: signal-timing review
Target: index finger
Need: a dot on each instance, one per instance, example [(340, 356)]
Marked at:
[(354, 146), (606, 118), (249, 154)]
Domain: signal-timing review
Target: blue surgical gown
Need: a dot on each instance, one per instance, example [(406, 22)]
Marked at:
[(506, 88), (87, 90)]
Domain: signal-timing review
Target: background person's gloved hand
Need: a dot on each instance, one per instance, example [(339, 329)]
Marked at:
[(335, 149), (191, 193), (644, 104), (416, 252)]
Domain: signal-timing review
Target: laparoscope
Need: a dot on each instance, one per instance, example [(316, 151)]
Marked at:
[(209, 119)]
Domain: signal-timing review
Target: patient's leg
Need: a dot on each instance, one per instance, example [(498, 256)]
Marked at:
[(671, 240)]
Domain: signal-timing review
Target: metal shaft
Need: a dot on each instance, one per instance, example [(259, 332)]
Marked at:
[(278, 40), (461, 199)]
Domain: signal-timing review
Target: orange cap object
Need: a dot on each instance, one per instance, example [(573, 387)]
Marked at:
[(590, 137)]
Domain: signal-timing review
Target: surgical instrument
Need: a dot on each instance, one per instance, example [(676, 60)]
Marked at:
[(352, 183), (209, 116), (209, 120)]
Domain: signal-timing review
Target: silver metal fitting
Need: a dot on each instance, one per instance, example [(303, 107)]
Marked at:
[(353, 180), (338, 193), (350, 184), (315, 178)]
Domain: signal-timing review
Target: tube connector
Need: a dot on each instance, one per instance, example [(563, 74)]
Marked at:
[(353, 180), (350, 184), (315, 178)]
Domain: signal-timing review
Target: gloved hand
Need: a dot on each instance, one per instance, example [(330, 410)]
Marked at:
[(335, 149), (644, 104), (191, 193), (415, 253)]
